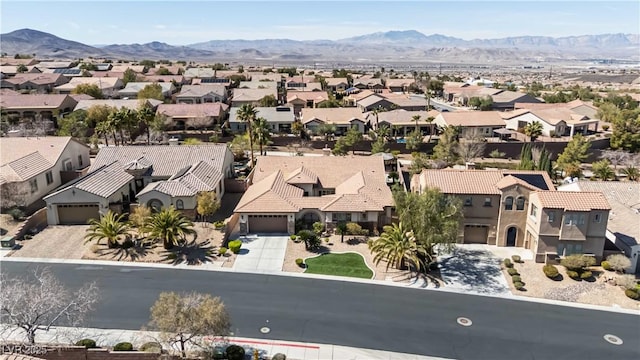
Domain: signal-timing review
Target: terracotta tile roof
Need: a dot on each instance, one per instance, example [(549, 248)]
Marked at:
[(398, 82), (511, 180), (132, 104), (100, 82), (188, 182), (271, 194), (317, 96), (252, 94), (572, 201), (258, 85), (24, 157), (488, 182), (36, 78), (332, 115), (202, 90), (402, 117), (33, 101), (164, 78), (193, 110), (7, 92), (472, 118), (109, 74), (280, 114), (102, 182), (302, 175), (336, 81)]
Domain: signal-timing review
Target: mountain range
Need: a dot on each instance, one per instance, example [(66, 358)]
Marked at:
[(398, 46)]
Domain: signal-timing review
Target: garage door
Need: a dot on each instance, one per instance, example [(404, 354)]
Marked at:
[(475, 234), (267, 223), (73, 214)]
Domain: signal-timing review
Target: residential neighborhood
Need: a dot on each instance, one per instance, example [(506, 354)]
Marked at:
[(206, 206)]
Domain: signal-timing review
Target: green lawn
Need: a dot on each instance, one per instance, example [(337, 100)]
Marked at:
[(349, 264)]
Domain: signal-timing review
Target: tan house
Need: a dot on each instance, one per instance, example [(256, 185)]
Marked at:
[(38, 106), (342, 118), (251, 96), (327, 189), (522, 208), (193, 116), (402, 122), (34, 82), (556, 121), (472, 123), (337, 85), (108, 85), (306, 99), (200, 94), (33, 166), (132, 89)]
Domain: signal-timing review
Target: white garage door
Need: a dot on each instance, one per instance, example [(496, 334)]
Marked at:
[(267, 223), (76, 214), (475, 234)]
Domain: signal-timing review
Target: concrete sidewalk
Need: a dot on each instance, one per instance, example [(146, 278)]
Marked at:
[(266, 348)]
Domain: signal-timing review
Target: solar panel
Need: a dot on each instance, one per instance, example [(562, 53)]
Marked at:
[(533, 179), (67, 71), (213, 81)]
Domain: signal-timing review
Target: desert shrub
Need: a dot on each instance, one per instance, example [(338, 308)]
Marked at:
[(16, 214), (518, 286), (279, 356), (123, 346), (512, 271), (127, 243), (627, 281), (577, 262), (516, 258), (586, 275), (300, 262), (318, 227), (293, 237), (326, 239), (222, 250), (618, 262), (152, 347), (573, 274), (516, 278), (235, 245), (354, 229), (550, 271), (87, 343), (508, 263), (305, 234), (633, 294), (235, 352), (605, 265), (218, 225)]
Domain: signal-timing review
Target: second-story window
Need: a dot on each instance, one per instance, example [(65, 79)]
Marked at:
[(508, 203), (552, 216), (33, 183), (49, 176), (79, 161), (534, 211), (468, 201), (520, 203), (179, 204), (597, 218), (487, 201)]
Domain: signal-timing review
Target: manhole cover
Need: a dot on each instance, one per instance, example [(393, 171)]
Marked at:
[(613, 339), (464, 321), (265, 330)]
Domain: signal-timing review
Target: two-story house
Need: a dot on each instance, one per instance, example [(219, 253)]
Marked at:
[(285, 191), (203, 93)]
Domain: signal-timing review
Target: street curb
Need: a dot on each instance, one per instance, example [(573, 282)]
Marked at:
[(94, 263)]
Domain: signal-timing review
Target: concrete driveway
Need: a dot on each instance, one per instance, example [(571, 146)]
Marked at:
[(56, 242), (261, 253), (474, 270)]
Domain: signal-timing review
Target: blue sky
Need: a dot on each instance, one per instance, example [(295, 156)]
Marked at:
[(187, 22)]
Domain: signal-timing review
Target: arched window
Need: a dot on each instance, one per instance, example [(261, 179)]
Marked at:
[(179, 204), (508, 203), (520, 203)]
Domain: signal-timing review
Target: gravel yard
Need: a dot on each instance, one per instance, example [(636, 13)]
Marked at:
[(297, 250), (595, 292)]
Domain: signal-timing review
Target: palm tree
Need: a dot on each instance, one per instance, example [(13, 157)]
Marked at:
[(533, 130), (146, 115), (110, 227), (261, 132), (248, 113), (429, 120), (632, 173), (416, 118), (398, 246), (170, 226)]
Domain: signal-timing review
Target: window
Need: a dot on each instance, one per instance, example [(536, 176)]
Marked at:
[(520, 203), (552, 216), (534, 211), (179, 204), (566, 248), (337, 217), (597, 218), (79, 161), (468, 201), (508, 203), (34, 185), (487, 201), (324, 192), (67, 165), (581, 219), (49, 175)]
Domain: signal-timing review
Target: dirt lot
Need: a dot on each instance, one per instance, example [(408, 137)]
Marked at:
[(595, 292), (355, 244), (67, 242)]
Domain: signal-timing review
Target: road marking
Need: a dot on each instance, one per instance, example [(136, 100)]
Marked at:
[(612, 339), (464, 321)]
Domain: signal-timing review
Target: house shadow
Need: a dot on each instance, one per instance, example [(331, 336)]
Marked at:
[(134, 253), (190, 253), (473, 270), (320, 249), (356, 240)]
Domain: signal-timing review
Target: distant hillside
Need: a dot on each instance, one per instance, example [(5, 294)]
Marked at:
[(407, 45)]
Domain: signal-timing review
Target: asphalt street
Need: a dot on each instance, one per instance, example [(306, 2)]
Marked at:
[(371, 316)]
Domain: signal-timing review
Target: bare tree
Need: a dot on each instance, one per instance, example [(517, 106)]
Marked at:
[(185, 319), (616, 157), (470, 147), (41, 301), (14, 194)]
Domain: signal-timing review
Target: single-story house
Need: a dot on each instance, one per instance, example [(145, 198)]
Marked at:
[(577, 106), (284, 191), (193, 116), (401, 122), (33, 166), (262, 84), (506, 100), (337, 85), (46, 107), (158, 176), (558, 121), (279, 119), (251, 96), (203, 93), (398, 85), (108, 85), (132, 104), (34, 82), (472, 123), (342, 118), (133, 88)]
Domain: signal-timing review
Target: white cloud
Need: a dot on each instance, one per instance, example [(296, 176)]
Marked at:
[(160, 26), (73, 25)]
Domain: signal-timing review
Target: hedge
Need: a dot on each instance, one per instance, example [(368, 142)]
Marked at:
[(573, 274), (585, 275), (235, 245), (123, 346), (512, 271), (550, 271), (632, 294), (605, 265), (87, 343)]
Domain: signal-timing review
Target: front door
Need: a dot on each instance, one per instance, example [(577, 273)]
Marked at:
[(512, 233)]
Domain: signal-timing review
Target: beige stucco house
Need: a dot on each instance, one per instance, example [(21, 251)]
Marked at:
[(328, 189)]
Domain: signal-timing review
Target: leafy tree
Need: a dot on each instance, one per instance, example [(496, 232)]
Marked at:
[(413, 140), (111, 227), (261, 133), (419, 161), (208, 203), (626, 131), (129, 76), (192, 141), (170, 226), (602, 170), (248, 113), (350, 139), (326, 130), (433, 217), (526, 158), (446, 146), (240, 145), (378, 146), (22, 68), (89, 89), (74, 125), (39, 302), (297, 127), (186, 319), (147, 116), (163, 71), (398, 246), (148, 63), (124, 118), (269, 101), (482, 103), (574, 153), (151, 91), (533, 130), (618, 262)]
